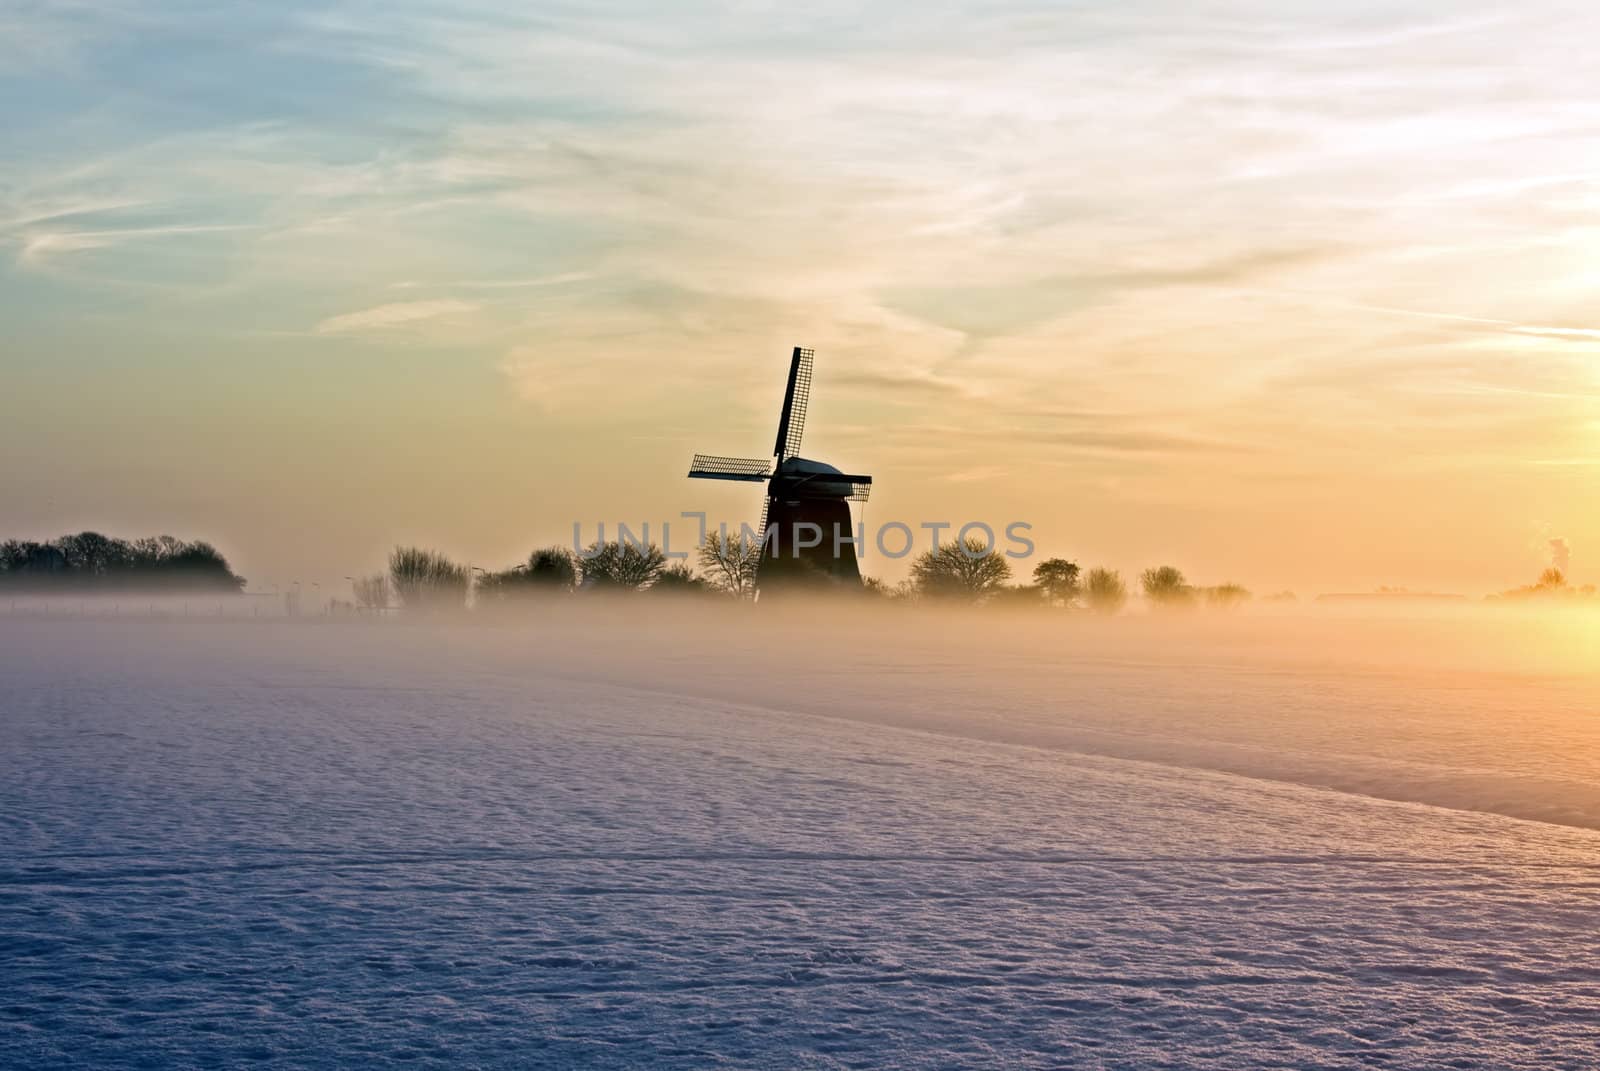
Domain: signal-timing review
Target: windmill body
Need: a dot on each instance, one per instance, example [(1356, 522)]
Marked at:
[(807, 525)]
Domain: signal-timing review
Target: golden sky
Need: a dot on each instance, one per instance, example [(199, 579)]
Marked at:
[(1301, 296)]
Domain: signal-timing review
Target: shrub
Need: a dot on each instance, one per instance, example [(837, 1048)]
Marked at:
[(1104, 591), (679, 579), (622, 566), (1166, 586), (427, 580), (1226, 596), (548, 570)]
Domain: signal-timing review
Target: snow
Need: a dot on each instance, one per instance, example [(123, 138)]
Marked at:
[(648, 844)]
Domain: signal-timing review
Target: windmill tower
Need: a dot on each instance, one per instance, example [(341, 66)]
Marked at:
[(800, 494)]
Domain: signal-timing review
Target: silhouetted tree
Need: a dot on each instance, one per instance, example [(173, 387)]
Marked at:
[(553, 567), (970, 570), (427, 580), (90, 561), (1166, 586), (92, 554), (548, 570), (1104, 591), (679, 579), (200, 563), (1057, 578), (730, 563), (622, 566), (23, 561)]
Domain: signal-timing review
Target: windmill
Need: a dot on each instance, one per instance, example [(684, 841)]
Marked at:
[(800, 494)]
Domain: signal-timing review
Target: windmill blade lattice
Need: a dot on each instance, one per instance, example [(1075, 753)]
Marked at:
[(792, 421), (714, 467)]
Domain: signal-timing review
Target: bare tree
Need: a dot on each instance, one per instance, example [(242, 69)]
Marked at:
[(372, 592), (730, 563), (969, 569)]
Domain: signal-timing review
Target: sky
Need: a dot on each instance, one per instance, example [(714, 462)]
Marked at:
[(1294, 295)]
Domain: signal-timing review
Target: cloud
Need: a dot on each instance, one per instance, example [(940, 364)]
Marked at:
[(38, 245), (50, 211), (964, 208), (890, 384), (1135, 440), (397, 315), (1107, 434), (561, 279), (1002, 308), (974, 475), (1575, 334)]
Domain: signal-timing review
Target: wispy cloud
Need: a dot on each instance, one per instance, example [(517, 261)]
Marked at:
[(900, 383), (396, 315), (51, 211), (38, 245), (560, 279), (1080, 229), (1576, 334)]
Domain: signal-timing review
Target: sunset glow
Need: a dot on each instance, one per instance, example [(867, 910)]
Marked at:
[(1298, 294), (645, 537)]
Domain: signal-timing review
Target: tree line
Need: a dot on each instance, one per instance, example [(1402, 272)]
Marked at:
[(1551, 585), (90, 563), (957, 572), (971, 572)]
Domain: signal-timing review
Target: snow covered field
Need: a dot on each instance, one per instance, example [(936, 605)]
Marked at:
[(681, 846)]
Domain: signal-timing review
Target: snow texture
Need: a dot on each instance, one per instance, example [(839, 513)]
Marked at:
[(308, 845)]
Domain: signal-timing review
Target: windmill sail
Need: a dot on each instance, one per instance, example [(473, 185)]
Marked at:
[(712, 467), (792, 421)]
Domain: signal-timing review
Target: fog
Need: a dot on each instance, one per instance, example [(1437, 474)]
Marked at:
[(1476, 707), (657, 832)]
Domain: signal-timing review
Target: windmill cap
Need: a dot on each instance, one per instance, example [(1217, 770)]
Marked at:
[(807, 467)]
